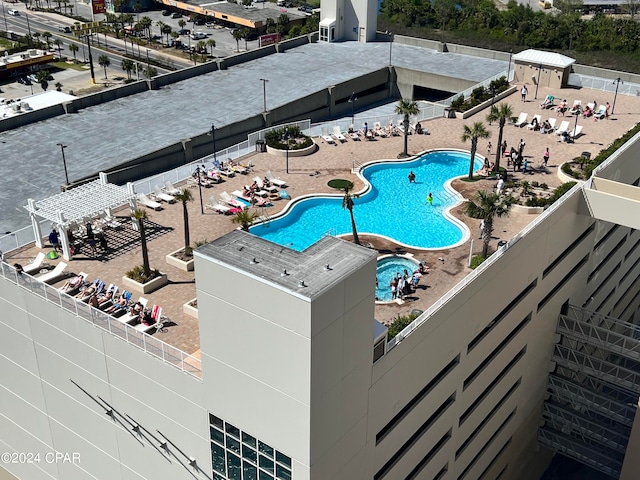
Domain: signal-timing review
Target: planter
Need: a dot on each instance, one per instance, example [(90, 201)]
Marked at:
[(302, 152), (148, 287), (187, 266), (527, 210), (564, 178), (483, 105), (189, 309)]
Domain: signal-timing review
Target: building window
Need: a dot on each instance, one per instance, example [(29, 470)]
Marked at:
[(237, 455)]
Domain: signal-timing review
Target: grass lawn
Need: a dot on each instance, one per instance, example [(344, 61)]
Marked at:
[(73, 66)]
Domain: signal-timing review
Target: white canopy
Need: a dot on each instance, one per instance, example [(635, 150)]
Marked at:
[(550, 59)]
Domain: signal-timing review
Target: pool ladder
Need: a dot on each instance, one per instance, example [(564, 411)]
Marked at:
[(330, 233)]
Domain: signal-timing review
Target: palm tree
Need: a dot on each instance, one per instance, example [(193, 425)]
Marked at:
[(140, 216), (486, 206), (104, 62), (283, 21), (237, 36), (476, 131), (245, 218), (406, 107), (47, 38), (212, 43), (146, 23), (42, 78), (74, 49), (246, 33), (58, 43), (166, 30), (500, 114), (36, 36), (127, 66), (347, 202), (185, 196), (181, 24), (201, 47)]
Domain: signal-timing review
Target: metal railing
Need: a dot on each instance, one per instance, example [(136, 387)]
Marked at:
[(159, 349), (603, 84)]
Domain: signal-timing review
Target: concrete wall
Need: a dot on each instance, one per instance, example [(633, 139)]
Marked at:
[(476, 52), (419, 42), (408, 79), (30, 117), (604, 73), (552, 77)]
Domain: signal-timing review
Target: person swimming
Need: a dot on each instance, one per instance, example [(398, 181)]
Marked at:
[(430, 199)]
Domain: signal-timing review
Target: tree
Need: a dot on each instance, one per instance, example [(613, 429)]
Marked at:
[(283, 21), (486, 206), (237, 36), (127, 66), (568, 6), (212, 43), (149, 72), (246, 33), (36, 36), (58, 43), (42, 78), (181, 24), (406, 107), (245, 218), (58, 86), (47, 38), (140, 216), (270, 23), (185, 196), (73, 48), (347, 202), (500, 114), (104, 62), (146, 23), (166, 30), (473, 133)]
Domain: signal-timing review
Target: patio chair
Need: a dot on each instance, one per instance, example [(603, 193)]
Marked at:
[(326, 137), (564, 126), (547, 102), (74, 284), (338, 134), (147, 202), (533, 124), (600, 112), (54, 274), (576, 132), (352, 134), (35, 264), (218, 207), (552, 122), (165, 197), (576, 108), (132, 316), (170, 189), (521, 121), (379, 131), (262, 186), (275, 180), (233, 202), (258, 202)]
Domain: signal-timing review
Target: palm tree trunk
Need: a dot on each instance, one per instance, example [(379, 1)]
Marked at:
[(356, 240), (486, 235), (472, 161), (499, 147), (406, 135), (145, 252), (186, 225)]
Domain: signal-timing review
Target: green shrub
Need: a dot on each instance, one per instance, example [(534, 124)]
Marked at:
[(297, 140), (535, 184), (457, 103), (544, 186), (476, 260), (399, 324), (137, 274), (561, 190)]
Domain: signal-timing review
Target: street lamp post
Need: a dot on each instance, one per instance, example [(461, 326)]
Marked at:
[(390, 46), (199, 180), (264, 94), (213, 136), (64, 162), (352, 101), (509, 66), (4, 14), (617, 81), (538, 81), (285, 137), (575, 128)]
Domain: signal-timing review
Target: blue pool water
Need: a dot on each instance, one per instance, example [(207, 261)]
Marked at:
[(392, 207), (387, 269)]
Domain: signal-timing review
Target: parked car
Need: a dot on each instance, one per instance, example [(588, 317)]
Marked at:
[(183, 31), (176, 15), (15, 13), (198, 35), (64, 29), (165, 13)]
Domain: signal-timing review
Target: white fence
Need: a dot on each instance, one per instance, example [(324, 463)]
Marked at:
[(604, 84), (159, 349)]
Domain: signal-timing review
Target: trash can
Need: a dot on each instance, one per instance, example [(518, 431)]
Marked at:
[(586, 155), (449, 112), (261, 146)]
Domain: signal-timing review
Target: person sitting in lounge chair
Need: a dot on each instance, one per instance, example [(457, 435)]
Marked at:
[(547, 102), (562, 107), (73, 283), (546, 127), (120, 304), (535, 126), (587, 112)]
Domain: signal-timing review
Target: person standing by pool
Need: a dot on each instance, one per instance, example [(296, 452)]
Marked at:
[(545, 157), (412, 177), (394, 287), (430, 199)]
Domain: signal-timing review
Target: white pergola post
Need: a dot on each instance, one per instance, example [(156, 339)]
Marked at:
[(131, 189), (62, 236), (34, 223)]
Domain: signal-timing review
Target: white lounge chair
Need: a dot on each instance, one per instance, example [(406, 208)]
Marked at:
[(552, 122), (35, 264), (275, 180), (130, 317), (170, 189), (576, 132), (338, 134), (352, 134), (576, 107), (521, 121), (147, 202), (538, 119), (54, 274), (600, 112), (326, 137), (261, 185), (218, 207), (258, 202), (564, 126), (379, 131), (165, 197), (229, 200)]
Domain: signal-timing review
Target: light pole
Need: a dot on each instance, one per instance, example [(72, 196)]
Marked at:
[(148, 65), (4, 14), (575, 128), (264, 94), (390, 46), (285, 137), (352, 101), (64, 162), (213, 136), (617, 81), (199, 180), (509, 67), (535, 97)]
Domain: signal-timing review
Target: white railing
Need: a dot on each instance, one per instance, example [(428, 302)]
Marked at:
[(481, 268), (603, 84), (159, 349)]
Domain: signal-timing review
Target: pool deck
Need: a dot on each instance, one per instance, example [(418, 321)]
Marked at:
[(310, 175)]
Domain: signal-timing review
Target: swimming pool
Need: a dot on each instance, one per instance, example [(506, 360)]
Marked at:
[(386, 269), (391, 207)]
